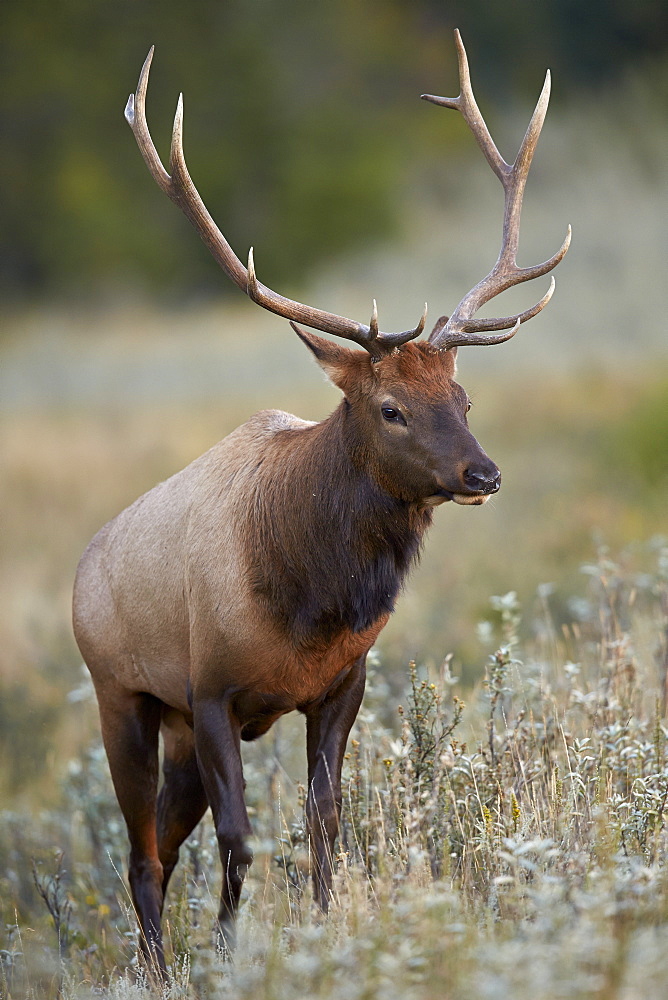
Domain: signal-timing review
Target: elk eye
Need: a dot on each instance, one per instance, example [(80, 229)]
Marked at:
[(390, 413), (469, 404)]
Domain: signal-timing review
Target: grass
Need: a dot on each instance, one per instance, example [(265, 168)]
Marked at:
[(521, 850), (514, 845), (511, 847)]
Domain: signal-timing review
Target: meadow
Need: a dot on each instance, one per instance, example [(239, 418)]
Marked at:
[(512, 845), (504, 817)]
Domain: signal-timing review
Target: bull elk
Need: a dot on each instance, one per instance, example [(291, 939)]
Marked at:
[(255, 581)]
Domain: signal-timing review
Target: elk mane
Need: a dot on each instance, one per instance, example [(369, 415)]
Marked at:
[(328, 559)]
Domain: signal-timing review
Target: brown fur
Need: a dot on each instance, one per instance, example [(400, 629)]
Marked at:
[(253, 583)]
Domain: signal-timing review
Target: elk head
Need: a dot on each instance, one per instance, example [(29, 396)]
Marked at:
[(418, 440), (408, 422)]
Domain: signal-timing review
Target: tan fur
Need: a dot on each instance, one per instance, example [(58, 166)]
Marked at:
[(162, 590), (162, 594)]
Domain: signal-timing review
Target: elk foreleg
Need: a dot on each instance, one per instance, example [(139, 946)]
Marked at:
[(328, 725), (217, 740)]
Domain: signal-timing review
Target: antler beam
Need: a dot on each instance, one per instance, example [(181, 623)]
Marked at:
[(461, 328), (180, 188)]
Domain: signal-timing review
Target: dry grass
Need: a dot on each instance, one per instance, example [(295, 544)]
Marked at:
[(514, 846), (531, 861)]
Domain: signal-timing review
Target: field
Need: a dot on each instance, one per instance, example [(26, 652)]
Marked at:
[(504, 832), (522, 845), (514, 844)]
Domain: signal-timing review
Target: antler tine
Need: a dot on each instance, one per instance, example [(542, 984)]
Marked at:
[(504, 322), (180, 188), (135, 115), (373, 325), (466, 103), (517, 176), (461, 328)]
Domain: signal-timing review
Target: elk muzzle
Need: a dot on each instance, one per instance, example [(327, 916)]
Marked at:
[(485, 481), (479, 481)]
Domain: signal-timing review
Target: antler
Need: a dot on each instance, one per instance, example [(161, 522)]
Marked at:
[(180, 188), (461, 328)]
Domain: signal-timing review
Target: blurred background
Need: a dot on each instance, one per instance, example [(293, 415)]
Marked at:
[(126, 352)]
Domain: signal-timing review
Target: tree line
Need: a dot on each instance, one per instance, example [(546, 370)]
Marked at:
[(301, 120)]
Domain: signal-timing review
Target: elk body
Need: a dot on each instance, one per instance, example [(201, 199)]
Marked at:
[(254, 582)]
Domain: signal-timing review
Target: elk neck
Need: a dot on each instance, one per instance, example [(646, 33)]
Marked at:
[(328, 547)]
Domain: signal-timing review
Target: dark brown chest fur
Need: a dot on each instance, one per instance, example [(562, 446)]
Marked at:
[(328, 548)]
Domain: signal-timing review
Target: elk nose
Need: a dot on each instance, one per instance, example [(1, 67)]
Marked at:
[(482, 482)]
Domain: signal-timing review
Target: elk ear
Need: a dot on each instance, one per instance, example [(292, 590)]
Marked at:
[(334, 359)]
